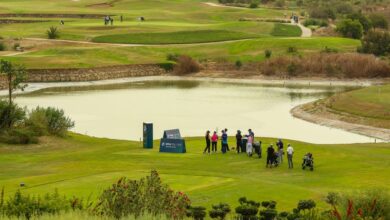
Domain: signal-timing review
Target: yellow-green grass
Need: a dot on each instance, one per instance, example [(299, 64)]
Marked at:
[(371, 103), (285, 30), (246, 51), (83, 166), (180, 37)]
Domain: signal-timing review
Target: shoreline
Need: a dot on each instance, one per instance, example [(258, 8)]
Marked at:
[(36, 86), (331, 120)]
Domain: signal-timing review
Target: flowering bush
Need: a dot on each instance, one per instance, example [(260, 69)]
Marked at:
[(138, 197)]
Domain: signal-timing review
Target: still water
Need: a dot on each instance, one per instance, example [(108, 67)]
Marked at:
[(118, 111)]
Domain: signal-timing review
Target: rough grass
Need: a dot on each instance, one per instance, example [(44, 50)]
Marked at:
[(182, 37), (371, 103), (286, 30), (83, 166)]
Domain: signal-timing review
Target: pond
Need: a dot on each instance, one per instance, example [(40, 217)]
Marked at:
[(118, 111)]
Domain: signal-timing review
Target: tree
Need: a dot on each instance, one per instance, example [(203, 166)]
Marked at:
[(366, 23), (376, 42), (379, 21), (15, 76), (350, 28)]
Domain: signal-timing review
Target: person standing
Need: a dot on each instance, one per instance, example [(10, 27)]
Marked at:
[(227, 144), (214, 141), (280, 150), (270, 155), (238, 141), (208, 142), (224, 140), (290, 152), (249, 145)]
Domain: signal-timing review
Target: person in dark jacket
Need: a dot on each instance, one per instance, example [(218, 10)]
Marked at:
[(280, 150), (224, 140), (208, 142), (227, 144), (270, 155), (238, 141)]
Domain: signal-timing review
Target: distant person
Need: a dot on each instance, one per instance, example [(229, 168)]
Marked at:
[(112, 21), (249, 145), (279, 144), (224, 141), (238, 141), (208, 142), (106, 20), (290, 152), (270, 155), (214, 141), (251, 133), (121, 18), (227, 143)]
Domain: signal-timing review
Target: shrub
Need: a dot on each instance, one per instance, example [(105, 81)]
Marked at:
[(292, 49), (253, 5), (268, 53), (49, 120), (376, 42), (350, 28), (315, 22), (238, 64), (173, 57), (280, 3), (19, 136), (364, 21), (329, 50), (26, 206), (185, 65), (147, 195), (344, 8), (53, 33), (196, 212), (373, 204), (10, 115), (2, 46), (248, 209), (347, 65), (219, 211), (379, 21), (306, 205), (322, 12), (166, 66)]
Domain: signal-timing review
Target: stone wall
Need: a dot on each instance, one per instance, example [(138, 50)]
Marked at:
[(90, 74)]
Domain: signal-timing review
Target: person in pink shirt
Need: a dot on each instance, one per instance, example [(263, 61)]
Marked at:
[(214, 141)]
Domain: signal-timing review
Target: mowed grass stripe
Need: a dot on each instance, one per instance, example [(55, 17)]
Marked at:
[(180, 37)]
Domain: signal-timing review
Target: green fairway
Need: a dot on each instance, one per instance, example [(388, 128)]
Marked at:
[(282, 30), (182, 37), (83, 166), (246, 50)]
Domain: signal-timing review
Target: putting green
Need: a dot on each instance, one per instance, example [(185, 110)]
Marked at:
[(83, 166)]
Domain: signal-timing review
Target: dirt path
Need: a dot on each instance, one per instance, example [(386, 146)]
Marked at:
[(329, 119), (212, 4), (306, 32)]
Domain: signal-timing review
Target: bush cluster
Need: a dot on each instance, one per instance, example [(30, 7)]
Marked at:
[(145, 196), (19, 126), (186, 65), (315, 22), (23, 206)]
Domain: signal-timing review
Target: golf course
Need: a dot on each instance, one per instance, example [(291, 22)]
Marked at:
[(79, 77)]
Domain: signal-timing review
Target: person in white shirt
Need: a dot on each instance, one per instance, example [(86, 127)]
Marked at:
[(290, 152)]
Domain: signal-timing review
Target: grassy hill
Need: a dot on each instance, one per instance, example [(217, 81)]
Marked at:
[(81, 165)]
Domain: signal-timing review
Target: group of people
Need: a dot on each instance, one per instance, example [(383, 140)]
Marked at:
[(108, 20), (246, 143)]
